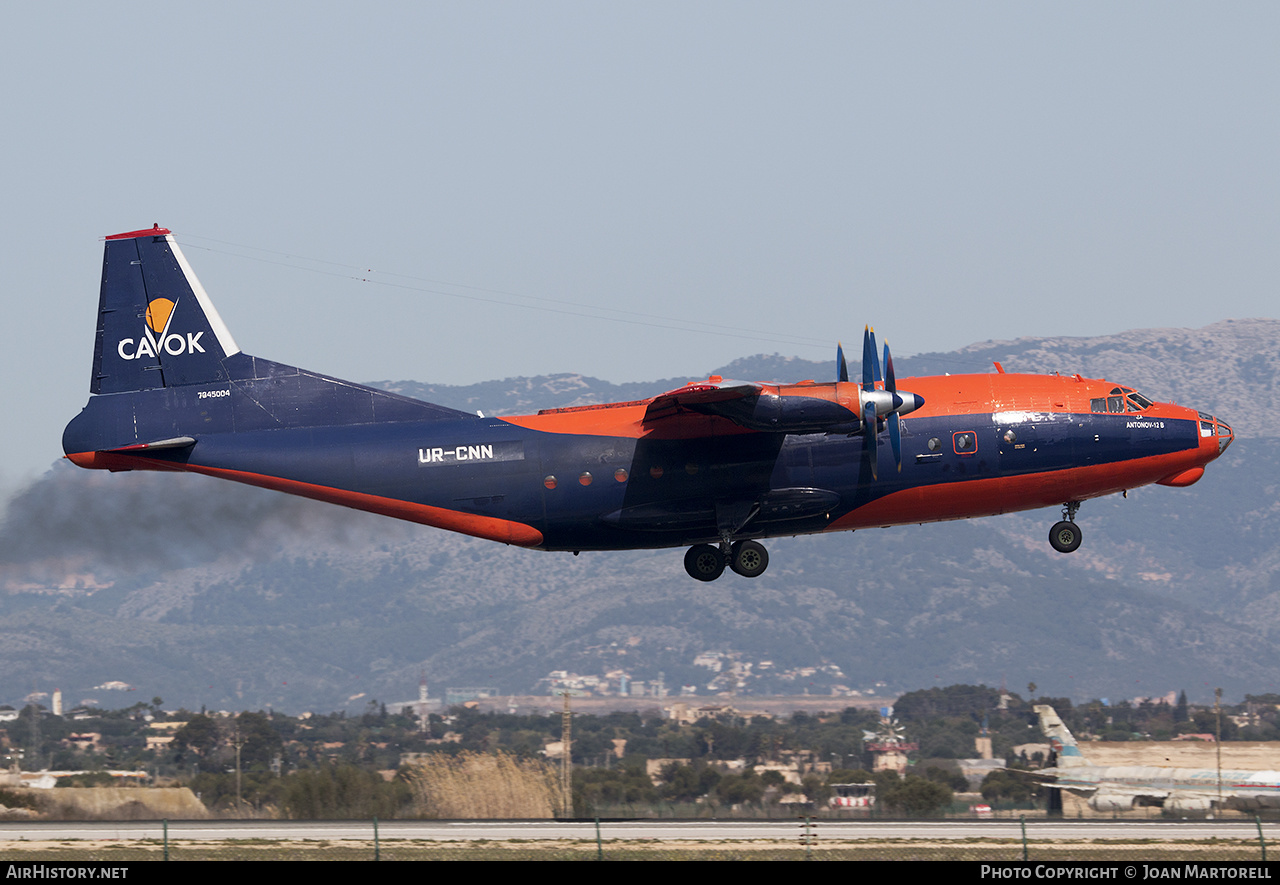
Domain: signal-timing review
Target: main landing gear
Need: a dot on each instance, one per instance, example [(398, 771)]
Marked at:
[(706, 562), (1065, 536)]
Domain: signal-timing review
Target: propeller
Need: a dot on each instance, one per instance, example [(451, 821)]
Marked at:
[(881, 399), (842, 368)]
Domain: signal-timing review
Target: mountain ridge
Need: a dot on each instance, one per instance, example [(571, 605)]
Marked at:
[(207, 592)]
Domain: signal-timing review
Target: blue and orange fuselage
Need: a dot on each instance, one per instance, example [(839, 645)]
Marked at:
[(599, 478), (714, 462)]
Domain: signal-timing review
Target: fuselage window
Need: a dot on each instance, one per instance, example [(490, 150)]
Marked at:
[(964, 442)]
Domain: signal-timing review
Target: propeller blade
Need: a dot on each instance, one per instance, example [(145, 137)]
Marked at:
[(890, 380), (895, 438), (869, 435), (875, 361), (842, 368), (870, 367)]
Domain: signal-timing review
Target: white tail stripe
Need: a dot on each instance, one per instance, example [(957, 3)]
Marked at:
[(220, 330)]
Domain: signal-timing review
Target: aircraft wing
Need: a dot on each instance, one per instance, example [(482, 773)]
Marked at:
[(698, 394), (754, 406)]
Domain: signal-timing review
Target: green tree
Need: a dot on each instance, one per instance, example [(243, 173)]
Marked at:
[(1005, 786), (914, 796), (199, 735), (262, 742)]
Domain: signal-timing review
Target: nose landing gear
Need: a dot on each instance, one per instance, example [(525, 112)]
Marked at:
[(1065, 536), (706, 562)]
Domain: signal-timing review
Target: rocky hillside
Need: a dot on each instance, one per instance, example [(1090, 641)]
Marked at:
[(260, 599), (1229, 368)]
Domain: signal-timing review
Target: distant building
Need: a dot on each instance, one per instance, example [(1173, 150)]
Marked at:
[(86, 740)]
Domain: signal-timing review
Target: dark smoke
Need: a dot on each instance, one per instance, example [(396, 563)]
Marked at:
[(136, 520)]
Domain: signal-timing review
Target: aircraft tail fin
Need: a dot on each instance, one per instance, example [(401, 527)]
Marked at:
[(156, 325), (166, 371), (1064, 743)]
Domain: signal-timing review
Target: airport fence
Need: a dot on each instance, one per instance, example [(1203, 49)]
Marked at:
[(808, 842)]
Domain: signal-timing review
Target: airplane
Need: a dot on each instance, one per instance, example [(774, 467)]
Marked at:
[(715, 465), (1124, 787)]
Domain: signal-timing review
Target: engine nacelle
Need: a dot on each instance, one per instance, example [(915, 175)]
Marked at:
[(1188, 802), (1112, 802)]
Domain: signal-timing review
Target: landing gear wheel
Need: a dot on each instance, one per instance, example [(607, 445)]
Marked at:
[(1065, 537), (704, 562), (749, 559)]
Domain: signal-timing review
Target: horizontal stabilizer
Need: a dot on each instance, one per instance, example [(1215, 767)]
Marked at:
[(177, 442)]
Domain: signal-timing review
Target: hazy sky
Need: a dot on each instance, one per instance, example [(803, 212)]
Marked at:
[(949, 172)]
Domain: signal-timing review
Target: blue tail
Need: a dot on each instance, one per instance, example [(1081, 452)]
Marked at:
[(156, 325), (166, 372)]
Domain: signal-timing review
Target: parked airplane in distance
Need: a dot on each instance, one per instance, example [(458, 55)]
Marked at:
[(1124, 787), (715, 465)]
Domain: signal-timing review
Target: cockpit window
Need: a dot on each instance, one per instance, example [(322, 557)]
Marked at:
[(1122, 399)]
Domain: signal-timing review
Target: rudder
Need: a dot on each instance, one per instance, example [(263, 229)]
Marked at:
[(1061, 738)]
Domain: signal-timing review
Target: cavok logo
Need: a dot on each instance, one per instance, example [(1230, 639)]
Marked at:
[(156, 335)]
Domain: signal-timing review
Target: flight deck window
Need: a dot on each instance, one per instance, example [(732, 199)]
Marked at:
[(1115, 404), (1098, 404), (1138, 402)]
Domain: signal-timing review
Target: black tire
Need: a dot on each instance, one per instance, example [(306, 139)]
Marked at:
[(749, 559), (1065, 537), (704, 562)]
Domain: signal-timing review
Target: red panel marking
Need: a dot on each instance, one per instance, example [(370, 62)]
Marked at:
[(488, 527), (594, 407), (156, 231)]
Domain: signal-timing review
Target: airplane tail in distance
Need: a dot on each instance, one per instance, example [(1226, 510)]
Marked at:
[(156, 325), (1064, 743)]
